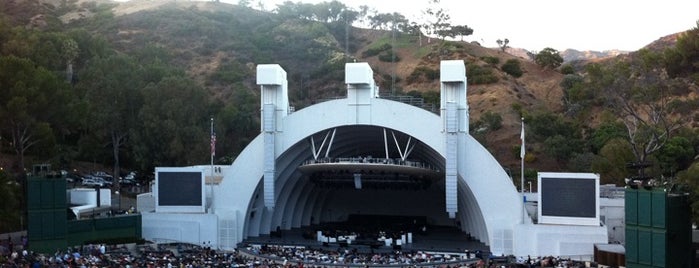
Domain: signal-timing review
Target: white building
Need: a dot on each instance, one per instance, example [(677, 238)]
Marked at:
[(264, 187)]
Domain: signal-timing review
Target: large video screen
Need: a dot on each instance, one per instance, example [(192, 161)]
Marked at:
[(569, 198), (179, 190)]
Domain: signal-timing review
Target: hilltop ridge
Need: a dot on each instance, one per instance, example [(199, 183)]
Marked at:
[(218, 46)]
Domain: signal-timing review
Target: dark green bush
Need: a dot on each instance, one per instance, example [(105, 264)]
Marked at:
[(419, 72), (376, 50), (491, 60), (480, 75), (388, 57), (512, 67)]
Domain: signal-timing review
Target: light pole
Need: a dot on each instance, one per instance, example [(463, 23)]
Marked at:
[(118, 194)]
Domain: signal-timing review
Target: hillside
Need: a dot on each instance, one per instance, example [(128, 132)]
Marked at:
[(536, 88), (218, 46)]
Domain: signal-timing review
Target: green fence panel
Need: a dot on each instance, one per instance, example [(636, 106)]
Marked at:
[(659, 248), (59, 193), (658, 205), (47, 194), (79, 226), (33, 194), (60, 223), (644, 208), (47, 225), (631, 206), (34, 225), (631, 244), (645, 246)]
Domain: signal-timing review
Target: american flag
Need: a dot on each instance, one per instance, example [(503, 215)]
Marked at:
[(213, 143)]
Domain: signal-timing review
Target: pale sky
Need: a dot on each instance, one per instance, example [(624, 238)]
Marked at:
[(537, 24)]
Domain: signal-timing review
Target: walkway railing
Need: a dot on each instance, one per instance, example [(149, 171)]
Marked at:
[(407, 99), (370, 160)]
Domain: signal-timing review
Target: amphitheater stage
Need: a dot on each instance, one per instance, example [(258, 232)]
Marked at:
[(436, 239)]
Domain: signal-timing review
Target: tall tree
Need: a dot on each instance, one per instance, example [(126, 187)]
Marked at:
[(436, 18), (33, 101), (69, 51), (682, 59), (690, 178), (112, 89), (174, 124), (611, 161), (11, 194), (637, 95)]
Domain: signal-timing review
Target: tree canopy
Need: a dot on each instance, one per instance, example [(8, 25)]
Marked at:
[(548, 58)]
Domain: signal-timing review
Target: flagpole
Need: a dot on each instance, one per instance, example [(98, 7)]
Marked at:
[(213, 151), (522, 153)]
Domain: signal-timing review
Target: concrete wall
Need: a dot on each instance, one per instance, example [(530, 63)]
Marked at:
[(612, 211), (558, 240), (195, 228)]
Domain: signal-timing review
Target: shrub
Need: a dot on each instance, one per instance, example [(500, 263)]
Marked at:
[(567, 69), (491, 60), (388, 56), (480, 75), (512, 67), (376, 50), (420, 72)]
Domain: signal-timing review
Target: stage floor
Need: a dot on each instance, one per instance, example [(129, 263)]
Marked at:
[(437, 239)]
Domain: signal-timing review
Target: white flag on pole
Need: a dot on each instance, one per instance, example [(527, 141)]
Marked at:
[(523, 149)]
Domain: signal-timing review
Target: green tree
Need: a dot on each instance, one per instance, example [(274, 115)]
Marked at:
[(512, 67), (461, 31), (581, 162), (34, 103), (637, 96), (436, 18), (605, 132), (545, 124), (612, 160), (548, 58), (676, 155), (69, 51), (112, 90), (561, 137), (238, 121), (9, 207), (576, 95), (561, 147), (174, 128), (682, 59), (690, 179), (567, 69)]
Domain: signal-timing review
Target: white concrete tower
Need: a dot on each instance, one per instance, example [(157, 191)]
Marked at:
[(454, 114), (360, 90), (275, 106)]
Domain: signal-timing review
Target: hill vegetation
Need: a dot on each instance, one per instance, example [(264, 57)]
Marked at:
[(134, 85)]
